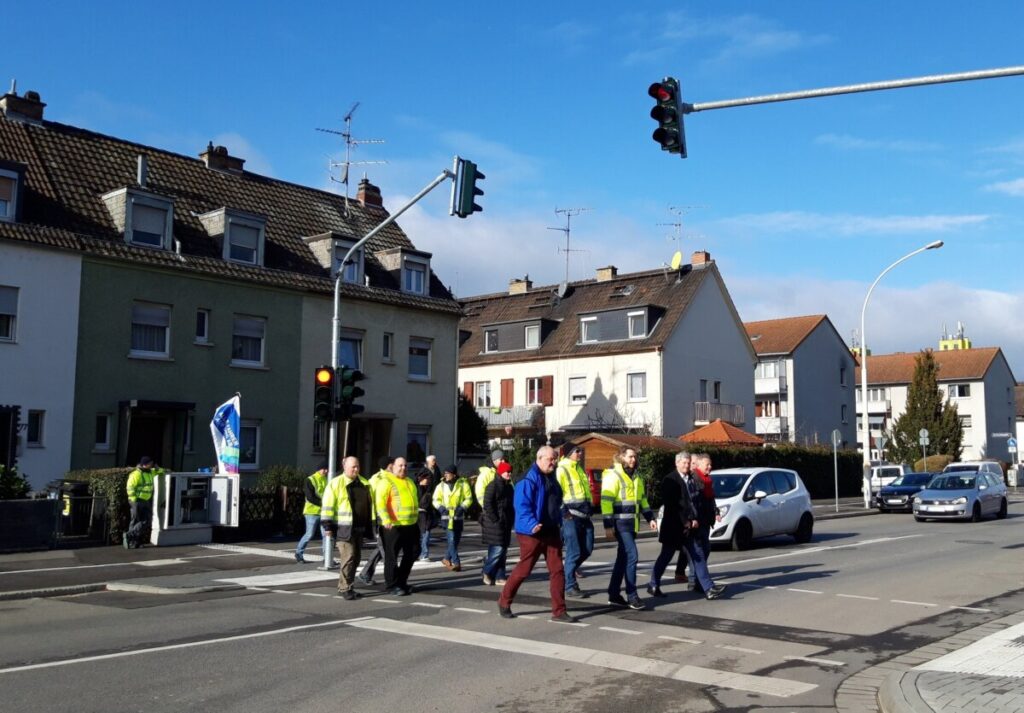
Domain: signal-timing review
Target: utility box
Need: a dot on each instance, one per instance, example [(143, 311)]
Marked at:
[(1013, 475), (186, 507)]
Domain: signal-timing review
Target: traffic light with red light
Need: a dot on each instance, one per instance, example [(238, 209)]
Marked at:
[(348, 392), (668, 112), (323, 393), (464, 189)]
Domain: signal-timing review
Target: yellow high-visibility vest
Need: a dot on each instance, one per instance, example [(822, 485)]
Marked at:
[(319, 483), (622, 496), (455, 494), (397, 501)]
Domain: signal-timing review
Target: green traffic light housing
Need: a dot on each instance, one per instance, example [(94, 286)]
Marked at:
[(348, 392), (464, 189), (668, 112)]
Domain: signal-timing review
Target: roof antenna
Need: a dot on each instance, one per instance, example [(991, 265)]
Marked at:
[(568, 213), (349, 144)]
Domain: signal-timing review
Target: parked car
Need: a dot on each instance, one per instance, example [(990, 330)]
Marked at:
[(984, 466), (899, 494), (882, 475), (961, 496), (760, 502)]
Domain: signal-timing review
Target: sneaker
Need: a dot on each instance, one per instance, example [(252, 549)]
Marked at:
[(409, 589), (398, 592), (505, 612), (580, 575), (655, 591), (423, 559), (348, 595), (299, 558), (692, 587), (500, 581), (635, 604), (565, 618), (715, 592), (576, 593), (489, 581), (617, 600)]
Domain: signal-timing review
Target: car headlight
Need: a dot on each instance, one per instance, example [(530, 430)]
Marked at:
[(962, 500), (723, 510), (917, 500)]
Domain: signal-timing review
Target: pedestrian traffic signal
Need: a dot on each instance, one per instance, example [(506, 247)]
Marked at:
[(668, 112), (464, 189), (323, 393), (348, 392)]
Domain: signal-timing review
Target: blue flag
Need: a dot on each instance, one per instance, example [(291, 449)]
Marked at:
[(225, 428)]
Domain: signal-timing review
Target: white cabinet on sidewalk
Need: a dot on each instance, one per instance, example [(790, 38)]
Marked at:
[(187, 506)]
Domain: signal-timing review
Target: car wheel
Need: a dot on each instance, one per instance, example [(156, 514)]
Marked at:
[(805, 529), (976, 513), (1002, 510), (742, 534)]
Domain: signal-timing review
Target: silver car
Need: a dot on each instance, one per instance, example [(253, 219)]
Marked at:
[(760, 502), (961, 496)]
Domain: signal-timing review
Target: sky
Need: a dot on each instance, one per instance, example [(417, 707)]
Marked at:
[(801, 204)]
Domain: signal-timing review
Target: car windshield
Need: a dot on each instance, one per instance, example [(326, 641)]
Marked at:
[(913, 479), (953, 482), (727, 486)]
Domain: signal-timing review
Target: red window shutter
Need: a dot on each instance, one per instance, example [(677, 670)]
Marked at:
[(467, 390), (507, 397), (547, 390)]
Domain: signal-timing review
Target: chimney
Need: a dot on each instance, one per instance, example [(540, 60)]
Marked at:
[(700, 257), (218, 158), (519, 287), (606, 273), (27, 108), (369, 194)]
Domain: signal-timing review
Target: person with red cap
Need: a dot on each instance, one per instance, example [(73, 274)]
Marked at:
[(496, 521)]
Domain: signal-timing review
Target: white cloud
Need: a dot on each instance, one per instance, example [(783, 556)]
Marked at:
[(849, 224), (1010, 188), (854, 143), (237, 145)]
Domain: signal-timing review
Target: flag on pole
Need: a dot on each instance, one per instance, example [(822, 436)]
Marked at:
[(225, 430)]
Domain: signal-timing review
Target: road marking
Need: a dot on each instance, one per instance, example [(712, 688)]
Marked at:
[(471, 611), (428, 604), (525, 616), (919, 604), (567, 623), (314, 594), (681, 640), (620, 631), (738, 648), (975, 609), (389, 601), (283, 591), (778, 687), (857, 596), (811, 659), (173, 647), (804, 591), (159, 563), (305, 576), (263, 551)]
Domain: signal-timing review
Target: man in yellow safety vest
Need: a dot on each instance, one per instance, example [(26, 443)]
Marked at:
[(347, 515), (140, 500), (313, 489), (577, 507), (452, 497), (397, 503), (486, 474), (623, 501)]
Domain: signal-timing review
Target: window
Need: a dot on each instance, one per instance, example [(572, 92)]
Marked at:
[(151, 326), (959, 391), (965, 422), (637, 325), (414, 277), (490, 340), (716, 390), (767, 370), (247, 340), (249, 445), (588, 330), (533, 336), (387, 347), (149, 225), (577, 390), (350, 349), (242, 242), (782, 482), (842, 413), (419, 358), (35, 429), (353, 271), (761, 481), (842, 376), (202, 326), (533, 391), (8, 313), (417, 443), (483, 394), (636, 387), (8, 194), (101, 441)]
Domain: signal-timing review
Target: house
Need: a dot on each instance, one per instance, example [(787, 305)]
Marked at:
[(656, 352), (803, 385), (599, 449), (140, 288), (720, 433), (977, 379)]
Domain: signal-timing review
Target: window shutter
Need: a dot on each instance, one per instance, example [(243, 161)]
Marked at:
[(467, 390), (547, 388), (6, 189), (9, 300), (151, 315), (148, 219), (249, 327), (245, 236), (507, 397)]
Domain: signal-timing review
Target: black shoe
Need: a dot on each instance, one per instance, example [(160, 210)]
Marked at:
[(635, 604), (299, 558), (505, 612), (398, 591), (408, 589), (655, 591), (617, 600), (348, 595), (565, 618), (715, 592), (576, 593)]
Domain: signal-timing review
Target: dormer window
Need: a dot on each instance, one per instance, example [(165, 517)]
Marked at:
[(415, 275), (146, 218), (354, 270), (589, 330), (490, 340), (243, 234), (8, 194), (637, 324), (531, 336)]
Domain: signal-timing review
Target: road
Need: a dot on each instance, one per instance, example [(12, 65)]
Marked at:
[(796, 622)]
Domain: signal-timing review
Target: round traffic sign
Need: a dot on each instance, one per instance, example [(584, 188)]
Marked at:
[(923, 433)]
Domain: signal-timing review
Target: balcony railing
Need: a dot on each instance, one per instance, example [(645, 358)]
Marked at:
[(705, 412), (770, 384), (515, 416), (771, 425)]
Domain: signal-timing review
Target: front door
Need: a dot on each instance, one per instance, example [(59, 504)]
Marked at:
[(147, 437)]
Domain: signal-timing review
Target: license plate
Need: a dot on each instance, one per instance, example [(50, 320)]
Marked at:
[(894, 501), (938, 508)]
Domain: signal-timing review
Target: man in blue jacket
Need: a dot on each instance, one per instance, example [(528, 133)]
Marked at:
[(538, 504)]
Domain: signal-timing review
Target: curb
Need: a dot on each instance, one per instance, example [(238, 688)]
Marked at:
[(898, 694), (52, 591), (153, 589)]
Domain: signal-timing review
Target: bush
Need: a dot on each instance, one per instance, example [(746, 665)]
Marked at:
[(277, 475), (109, 483), (933, 464), (13, 485)]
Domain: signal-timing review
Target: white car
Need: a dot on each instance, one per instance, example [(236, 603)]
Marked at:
[(760, 502), (882, 475), (975, 466)]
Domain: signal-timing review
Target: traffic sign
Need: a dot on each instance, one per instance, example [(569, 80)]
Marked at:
[(837, 438), (1001, 435), (924, 441), (1011, 442), (923, 433)]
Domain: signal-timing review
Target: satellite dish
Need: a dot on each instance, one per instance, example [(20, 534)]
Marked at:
[(563, 287), (677, 260)]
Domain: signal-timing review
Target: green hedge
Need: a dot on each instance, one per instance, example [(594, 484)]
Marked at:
[(110, 483), (282, 475), (13, 486)]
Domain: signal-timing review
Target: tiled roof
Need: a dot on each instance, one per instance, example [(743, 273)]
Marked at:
[(632, 440), (954, 365), (653, 287), (718, 432), (69, 169), (781, 336)]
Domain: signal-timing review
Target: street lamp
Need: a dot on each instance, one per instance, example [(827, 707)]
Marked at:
[(866, 426)]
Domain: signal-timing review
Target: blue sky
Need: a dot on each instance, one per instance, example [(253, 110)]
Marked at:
[(802, 204)]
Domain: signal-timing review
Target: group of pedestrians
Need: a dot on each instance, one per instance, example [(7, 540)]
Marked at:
[(549, 510)]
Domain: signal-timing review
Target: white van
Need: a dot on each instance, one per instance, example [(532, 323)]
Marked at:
[(976, 466), (882, 475)]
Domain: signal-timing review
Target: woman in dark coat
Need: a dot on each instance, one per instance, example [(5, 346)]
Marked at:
[(496, 520), (680, 516)]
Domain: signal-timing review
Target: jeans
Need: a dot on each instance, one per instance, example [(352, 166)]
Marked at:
[(312, 525), (626, 558), (424, 544), (698, 565), (668, 551), (454, 536), (494, 562), (531, 548), (577, 544)]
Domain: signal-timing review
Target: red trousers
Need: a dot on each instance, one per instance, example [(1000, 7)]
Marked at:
[(531, 548)]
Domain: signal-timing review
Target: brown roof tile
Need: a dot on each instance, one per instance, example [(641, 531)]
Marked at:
[(781, 336), (632, 440), (953, 365), (720, 433)]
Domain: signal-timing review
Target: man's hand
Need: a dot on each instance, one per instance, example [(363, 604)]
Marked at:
[(536, 528), (609, 534), (387, 525), (654, 525), (694, 525)]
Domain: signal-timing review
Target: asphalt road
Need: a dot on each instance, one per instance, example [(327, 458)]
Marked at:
[(796, 621)]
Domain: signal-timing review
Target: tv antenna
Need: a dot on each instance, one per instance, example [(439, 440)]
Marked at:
[(350, 143), (568, 213), (679, 212)]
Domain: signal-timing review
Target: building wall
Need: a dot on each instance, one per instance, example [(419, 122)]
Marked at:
[(37, 371), (816, 392), (389, 389), (1000, 409), (203, 374)]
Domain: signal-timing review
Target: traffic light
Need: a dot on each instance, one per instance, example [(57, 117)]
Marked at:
[(348, 392), (668, 112), (323, 393), (464, 189)]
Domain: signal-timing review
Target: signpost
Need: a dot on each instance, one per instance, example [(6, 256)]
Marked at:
[(837, 438), (923, 440)]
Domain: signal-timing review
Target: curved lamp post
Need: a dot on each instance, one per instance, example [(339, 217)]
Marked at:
[(865, 425)]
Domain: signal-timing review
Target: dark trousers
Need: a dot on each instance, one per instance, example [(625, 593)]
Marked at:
[(375, 557), (142, 515), (401, 545), (668, 551), (531, 548)]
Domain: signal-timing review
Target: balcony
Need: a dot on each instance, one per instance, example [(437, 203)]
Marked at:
[(704, 412), (515, 416), (770, 384), (882, 406), (771, 426)]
